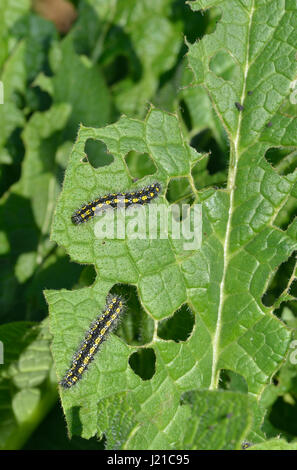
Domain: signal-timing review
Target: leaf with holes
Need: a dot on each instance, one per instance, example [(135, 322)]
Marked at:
[(222, 282)]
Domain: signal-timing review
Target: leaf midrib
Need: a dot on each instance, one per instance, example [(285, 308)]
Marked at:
[(234, 158)]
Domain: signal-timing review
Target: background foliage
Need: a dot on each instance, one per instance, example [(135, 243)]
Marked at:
[(120, 91)]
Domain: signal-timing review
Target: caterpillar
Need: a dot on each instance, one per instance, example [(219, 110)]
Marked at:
[(140, 196), (94, 337)]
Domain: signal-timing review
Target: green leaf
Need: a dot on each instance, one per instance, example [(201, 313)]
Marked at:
[(29, 35), (10, 14), (87, 94), (27, 208), (223, 282), (27, 384), (217, 420), (255, 192), (146, 37), (275, 444)]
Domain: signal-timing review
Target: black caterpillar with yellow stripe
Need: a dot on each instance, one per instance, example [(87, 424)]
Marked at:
[(94, 337), (140, 196)]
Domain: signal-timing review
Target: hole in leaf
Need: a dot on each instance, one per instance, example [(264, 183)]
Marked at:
[(224, 66), (179, 326), (179, 191), (275, 381), (140, 164), (230, 380), (293, 288), (195, 22), (275, 155), (143, 363), (213, 17), (204, 142), (136, 327), (97, 153), (283, 161), (283, 415), (287, 213), (202, 178), (279, 282), (186, 114), (87, 277)]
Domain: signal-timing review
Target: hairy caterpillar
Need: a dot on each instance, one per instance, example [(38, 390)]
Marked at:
[(94, 337), (140, 196)]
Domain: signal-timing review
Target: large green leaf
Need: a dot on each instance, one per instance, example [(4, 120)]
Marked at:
[(224, 281)]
